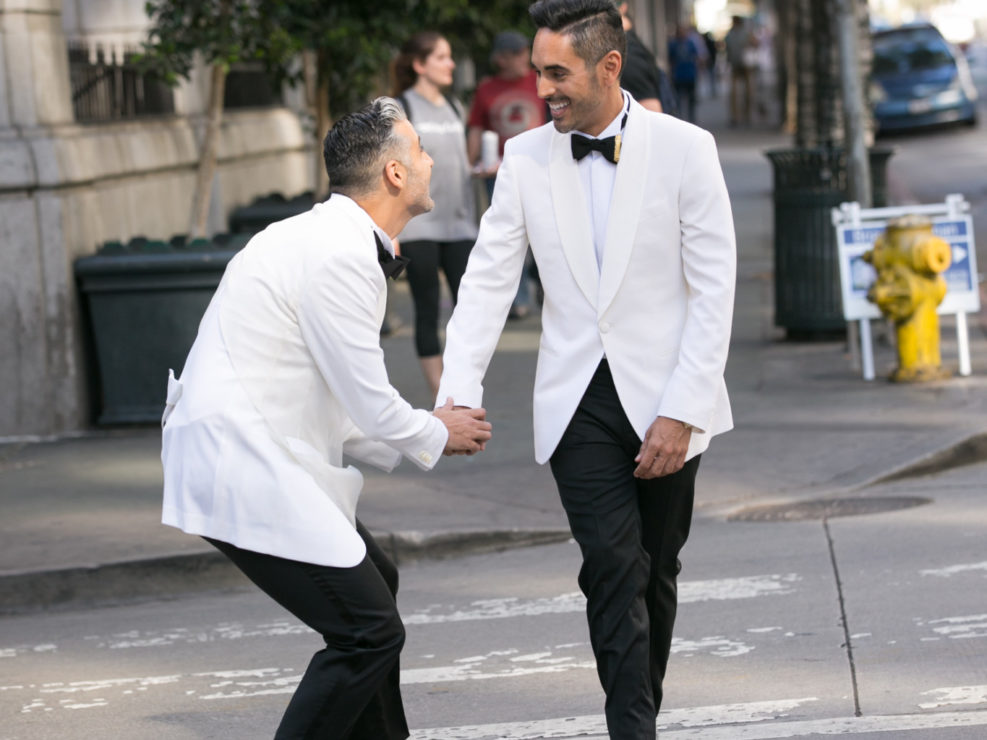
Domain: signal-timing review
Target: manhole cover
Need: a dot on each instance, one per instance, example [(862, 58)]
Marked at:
[(825, 508)]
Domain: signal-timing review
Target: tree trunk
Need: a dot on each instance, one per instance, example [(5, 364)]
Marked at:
[(323, 121), (854, 102), (819, 102), (788, 15), (208, 152), (865, 47), (820, 113)]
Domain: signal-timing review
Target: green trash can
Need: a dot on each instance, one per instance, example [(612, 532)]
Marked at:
[(808, 183), (142, 303)]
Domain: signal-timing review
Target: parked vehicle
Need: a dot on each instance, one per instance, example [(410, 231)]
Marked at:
[(919, 79)]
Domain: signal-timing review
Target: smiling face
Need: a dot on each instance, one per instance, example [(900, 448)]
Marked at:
[(438, 66), (581, 97)]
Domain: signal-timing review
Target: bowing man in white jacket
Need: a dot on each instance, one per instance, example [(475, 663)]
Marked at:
[(629, 221), (285, 377)]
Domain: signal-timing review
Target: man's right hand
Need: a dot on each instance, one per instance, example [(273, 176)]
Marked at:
[(468, 429)]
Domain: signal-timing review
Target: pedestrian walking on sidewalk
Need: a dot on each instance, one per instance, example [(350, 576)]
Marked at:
[(286, 376), (741, 48), (442, 238), (629, 220), (685, 57)]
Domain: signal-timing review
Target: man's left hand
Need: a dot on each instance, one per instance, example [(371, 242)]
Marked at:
[(663, 450)]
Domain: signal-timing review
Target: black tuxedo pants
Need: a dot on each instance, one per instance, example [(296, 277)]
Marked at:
[(630, 532), (350, 690)]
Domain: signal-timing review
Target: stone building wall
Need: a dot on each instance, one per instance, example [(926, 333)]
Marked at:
[(65, 188)]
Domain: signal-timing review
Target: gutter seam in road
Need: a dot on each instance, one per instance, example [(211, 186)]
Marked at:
[(843, 619)]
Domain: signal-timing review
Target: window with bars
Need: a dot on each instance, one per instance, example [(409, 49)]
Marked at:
[(105, 89)]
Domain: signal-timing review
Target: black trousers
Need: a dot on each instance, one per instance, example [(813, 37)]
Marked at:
[(423, 279), (630, 532), (350, 690)]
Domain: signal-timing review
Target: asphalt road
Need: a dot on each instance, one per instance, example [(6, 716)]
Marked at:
[(497, 646)]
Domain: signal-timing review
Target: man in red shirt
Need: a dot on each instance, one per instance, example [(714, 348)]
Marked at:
[(508, 104)]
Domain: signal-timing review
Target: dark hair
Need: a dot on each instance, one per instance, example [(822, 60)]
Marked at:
[(594, 26), (416, 49), (358, 143)]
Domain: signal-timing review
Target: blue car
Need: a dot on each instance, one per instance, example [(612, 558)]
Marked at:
[(918, 79)]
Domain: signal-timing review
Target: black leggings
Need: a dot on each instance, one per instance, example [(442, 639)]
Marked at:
[(423, 277)]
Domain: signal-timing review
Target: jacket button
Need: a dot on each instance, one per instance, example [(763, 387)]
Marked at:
[(604, 327)]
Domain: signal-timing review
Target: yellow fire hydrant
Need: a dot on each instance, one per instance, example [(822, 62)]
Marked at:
[(909, 287)]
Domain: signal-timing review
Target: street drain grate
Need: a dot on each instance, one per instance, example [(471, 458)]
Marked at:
[(825, 508)]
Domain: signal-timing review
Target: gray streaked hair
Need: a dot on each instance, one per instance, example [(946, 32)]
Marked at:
[(359, 143)]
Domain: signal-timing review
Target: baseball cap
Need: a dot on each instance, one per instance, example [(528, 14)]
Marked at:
[(509, 41)]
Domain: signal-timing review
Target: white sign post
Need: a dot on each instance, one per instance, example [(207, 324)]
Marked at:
[(856, 230)]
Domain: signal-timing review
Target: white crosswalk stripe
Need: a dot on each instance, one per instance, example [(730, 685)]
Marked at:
[(728, 722)]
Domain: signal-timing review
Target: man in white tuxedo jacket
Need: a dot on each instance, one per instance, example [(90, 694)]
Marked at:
[(285, 377), (629, 221)]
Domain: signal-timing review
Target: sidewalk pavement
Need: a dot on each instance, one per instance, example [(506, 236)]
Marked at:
[(80, 515)]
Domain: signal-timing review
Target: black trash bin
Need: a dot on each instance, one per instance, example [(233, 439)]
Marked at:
[(808, 183), (143, 302), (266, 210)]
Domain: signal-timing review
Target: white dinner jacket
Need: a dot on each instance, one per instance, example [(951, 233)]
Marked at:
[(660, 308), (285, 376)]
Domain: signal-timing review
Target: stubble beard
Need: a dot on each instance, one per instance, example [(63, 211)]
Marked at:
[(579, 109)]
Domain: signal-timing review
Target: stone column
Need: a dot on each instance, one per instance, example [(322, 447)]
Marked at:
[(38, 375)]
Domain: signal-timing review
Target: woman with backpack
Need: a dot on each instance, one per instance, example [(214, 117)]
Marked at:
[(442, 238)]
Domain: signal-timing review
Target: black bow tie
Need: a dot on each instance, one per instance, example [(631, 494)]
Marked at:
[(608, 147), (391, 265)]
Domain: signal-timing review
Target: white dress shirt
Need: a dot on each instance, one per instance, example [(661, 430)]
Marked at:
[(597, 176)]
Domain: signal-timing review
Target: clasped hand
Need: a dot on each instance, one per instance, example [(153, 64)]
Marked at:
[(468, 428)]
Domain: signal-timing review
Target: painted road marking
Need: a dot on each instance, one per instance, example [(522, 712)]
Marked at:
[(25, 649), (956, 628), (953, 695), (744, 721), (838, 726), (568, 727), (680, 725), (953, 570), (571, 656), (722, 589), (751, 721)]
